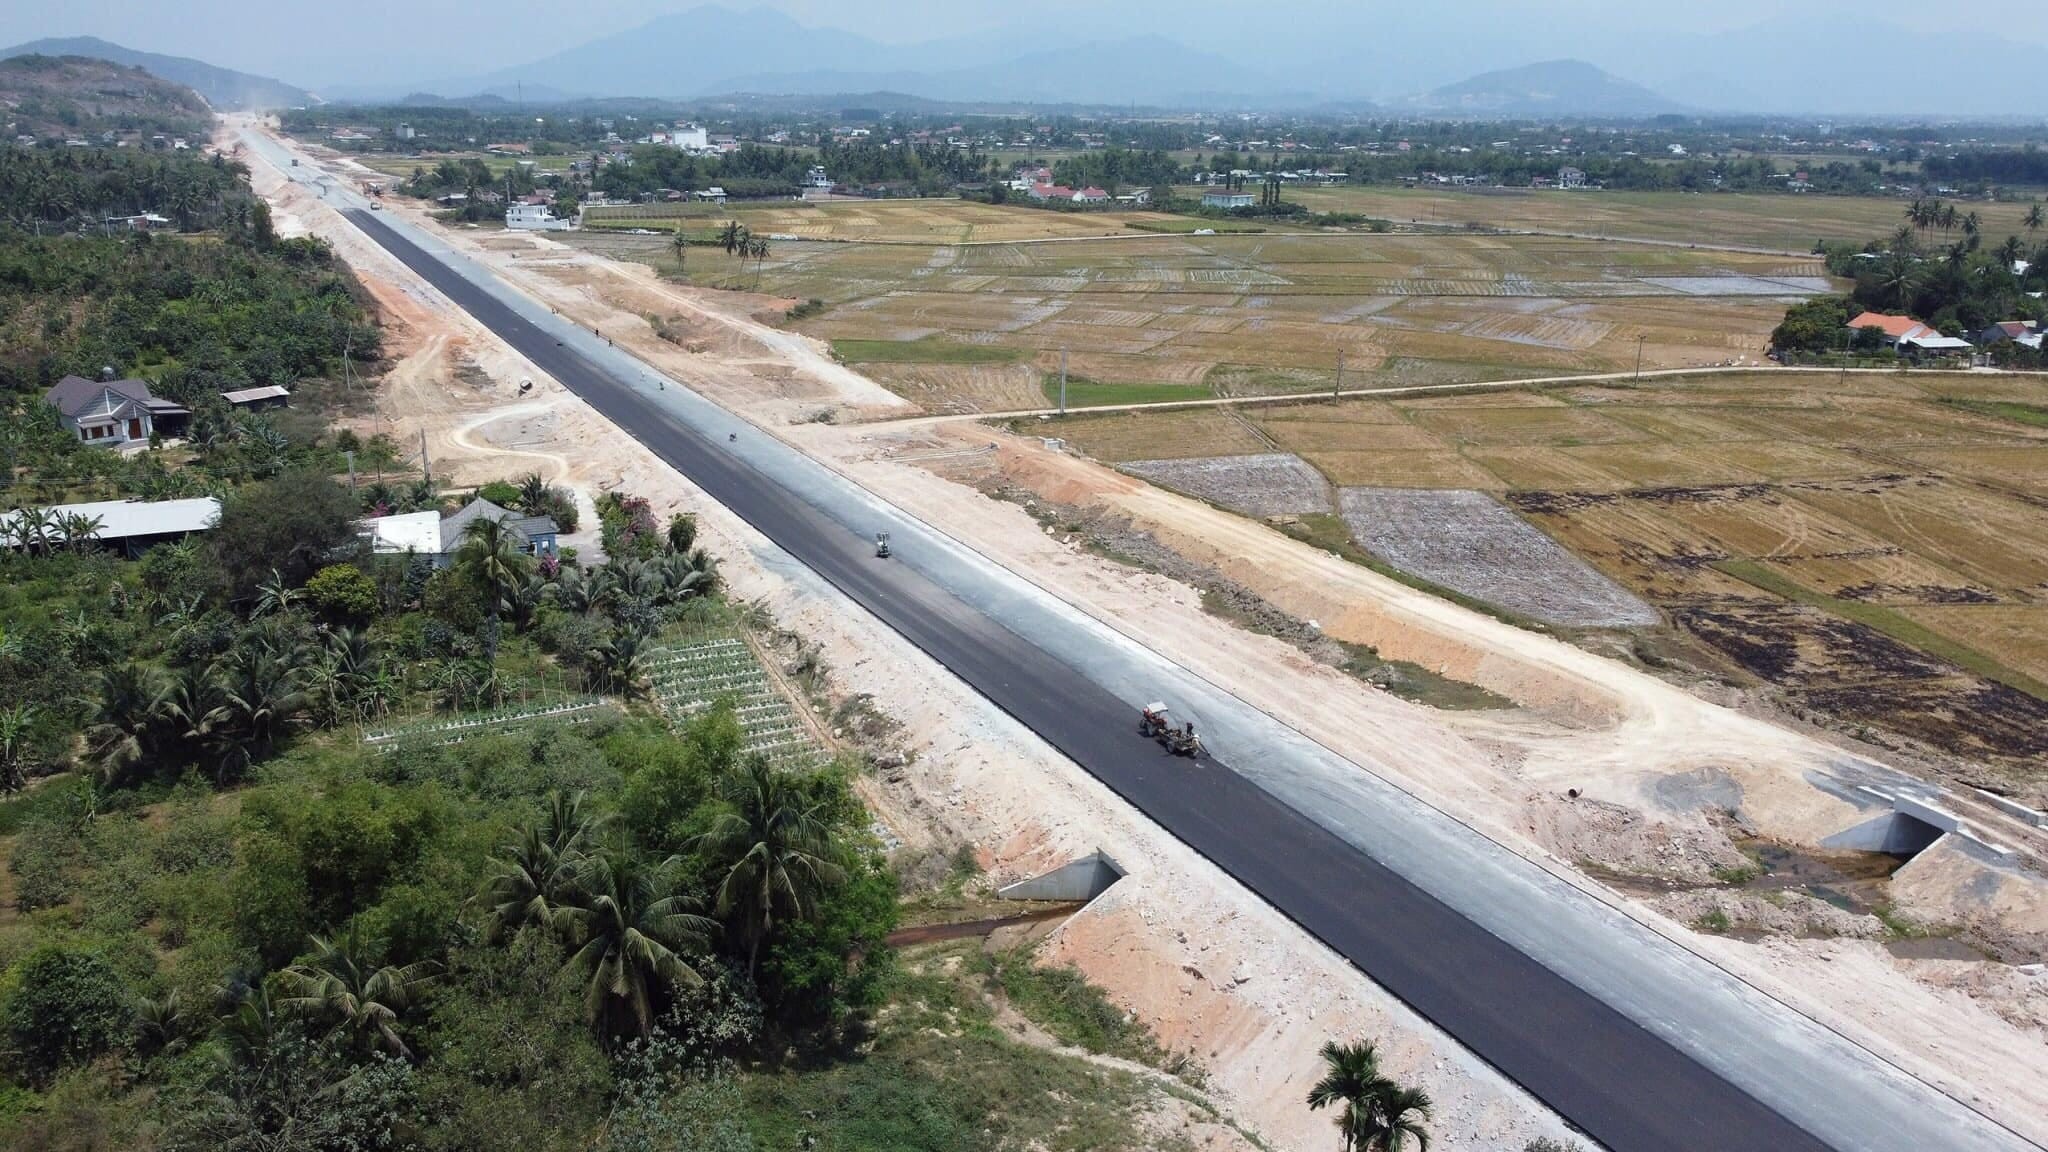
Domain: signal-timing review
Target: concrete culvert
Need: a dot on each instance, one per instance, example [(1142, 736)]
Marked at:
[(1901, 832), (1079, 881)]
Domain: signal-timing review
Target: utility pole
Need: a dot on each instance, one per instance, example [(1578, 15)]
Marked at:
[(1338, 388), (1063, 381), (1639, 356), (426, 466), (351, 456)]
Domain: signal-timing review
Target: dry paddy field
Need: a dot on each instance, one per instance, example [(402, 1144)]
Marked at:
[(1875, 547), (1752, 220), (1158, 317), (879, 221)]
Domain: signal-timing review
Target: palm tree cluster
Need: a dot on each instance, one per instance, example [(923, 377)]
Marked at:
[(61, 188), (1375, 1114), (633, 593), (41, 531), (736, 240), (233, 711), (628, 922)]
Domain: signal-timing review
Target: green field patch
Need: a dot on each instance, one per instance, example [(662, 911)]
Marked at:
[(2032, 415), (1085, 393), (1887, 621), (930, 350)]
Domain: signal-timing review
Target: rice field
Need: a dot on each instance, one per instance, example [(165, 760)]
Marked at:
[(1867, 545), (911, 222), (1190, 316), (1752, 220)]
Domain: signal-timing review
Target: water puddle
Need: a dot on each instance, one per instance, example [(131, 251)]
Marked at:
[(1852, 881), (1933, 948)]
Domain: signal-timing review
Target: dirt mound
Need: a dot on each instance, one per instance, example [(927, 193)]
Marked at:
[(1774, 914), (1627, 843)]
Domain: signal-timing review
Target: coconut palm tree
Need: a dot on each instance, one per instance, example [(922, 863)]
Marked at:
[(2010, 251), (162, 1024), (536, 874), (679, 243), (631, 932), (125, 721), (2032, 220), (339, 988), (1395, 1119), (533, 494), (259, 699), (491, 558), (1351, 1081), (732, 237), (1900, 280), (774, 848)]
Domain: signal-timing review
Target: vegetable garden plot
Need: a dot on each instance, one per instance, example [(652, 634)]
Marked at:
[(685, 680), (456, 727)]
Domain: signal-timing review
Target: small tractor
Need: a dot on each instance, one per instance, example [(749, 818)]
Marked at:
[(1181, 741), (882, 545)]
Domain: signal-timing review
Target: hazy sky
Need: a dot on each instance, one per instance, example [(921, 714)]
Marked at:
[(384, 41)]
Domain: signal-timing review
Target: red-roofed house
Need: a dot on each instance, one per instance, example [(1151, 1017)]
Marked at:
[(1051, 192), (1091, 196), (1895, 328), (2005, 330)]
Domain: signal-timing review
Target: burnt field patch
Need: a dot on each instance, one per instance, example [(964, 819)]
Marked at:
[(1862, 677)]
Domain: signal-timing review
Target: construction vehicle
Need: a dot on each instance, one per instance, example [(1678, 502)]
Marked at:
[(1181, 741), (882, 545)]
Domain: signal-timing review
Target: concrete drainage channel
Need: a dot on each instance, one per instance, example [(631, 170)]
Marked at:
[(1066, 890), (1910, 827)]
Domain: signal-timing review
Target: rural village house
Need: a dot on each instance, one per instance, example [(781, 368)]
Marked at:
[(428, 534), (113, 412), (132, 526)]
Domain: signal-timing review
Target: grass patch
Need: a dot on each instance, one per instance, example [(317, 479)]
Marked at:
[(1715, 921), (1077, 1013), (1882, 619), (930, 350), (941, 1077), (2032, 415), (1085, 393)]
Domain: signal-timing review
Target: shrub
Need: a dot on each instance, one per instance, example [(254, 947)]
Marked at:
[(501, 493), (68, 1007), (343, 593)]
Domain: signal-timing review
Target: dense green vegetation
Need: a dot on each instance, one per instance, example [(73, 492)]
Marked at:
[(1938, 268), (60, 189)]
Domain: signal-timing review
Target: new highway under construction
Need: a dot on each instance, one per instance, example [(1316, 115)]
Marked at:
[(1593, 1015)]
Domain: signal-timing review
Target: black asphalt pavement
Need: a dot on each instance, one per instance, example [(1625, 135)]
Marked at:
[(1626, 1088)]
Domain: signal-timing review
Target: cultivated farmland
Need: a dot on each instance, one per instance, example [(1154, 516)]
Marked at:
[(1874, 547), (1160, 317), (1752, 220), (876, 221)]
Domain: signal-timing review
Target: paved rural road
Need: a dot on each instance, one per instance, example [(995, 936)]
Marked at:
[(1633, 1039)]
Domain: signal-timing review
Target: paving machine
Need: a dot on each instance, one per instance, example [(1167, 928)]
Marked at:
[(1181, 741)]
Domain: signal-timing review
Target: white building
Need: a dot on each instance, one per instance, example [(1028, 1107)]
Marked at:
[(536, 218), (1226, 199), (1570, 178), (690, 138)]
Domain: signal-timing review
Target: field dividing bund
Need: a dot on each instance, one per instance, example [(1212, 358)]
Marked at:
[(1874, 548)]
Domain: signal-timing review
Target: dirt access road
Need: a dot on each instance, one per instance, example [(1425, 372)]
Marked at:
[(1590, 721)]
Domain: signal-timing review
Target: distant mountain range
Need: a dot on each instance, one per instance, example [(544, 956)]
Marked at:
[(1456, 58), (1552, 88), (226, 90)]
